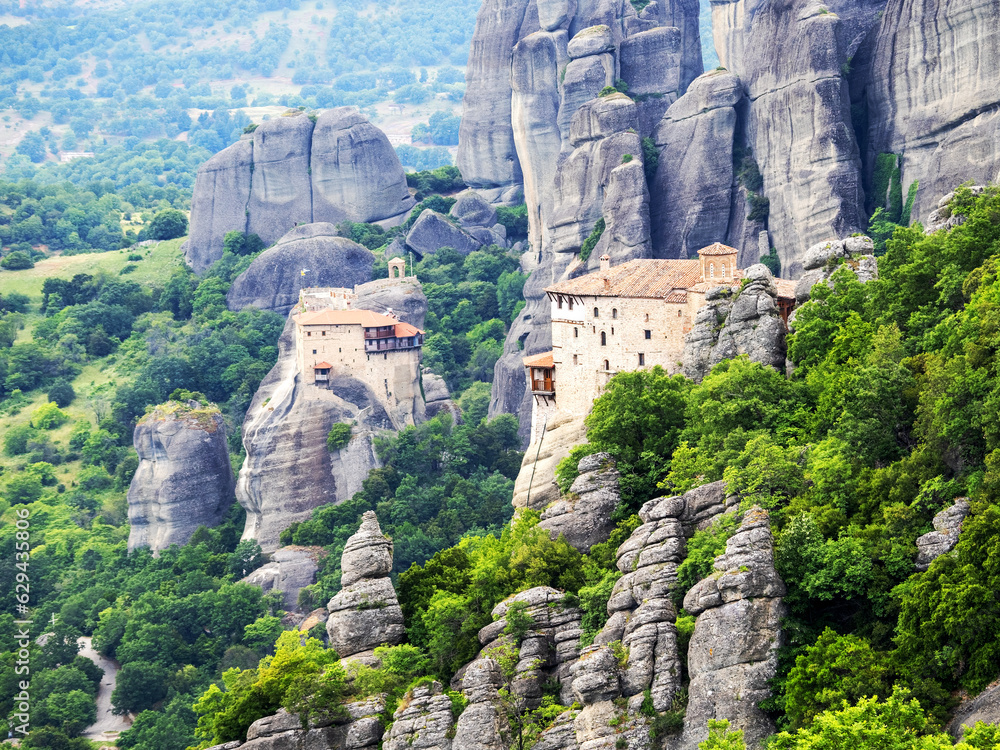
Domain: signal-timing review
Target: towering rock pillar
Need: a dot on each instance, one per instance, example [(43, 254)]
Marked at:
[(365, 613)]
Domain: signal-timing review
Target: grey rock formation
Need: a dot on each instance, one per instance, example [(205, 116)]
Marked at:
[(751, 325), (365, 612), (288, 470), (947, 528), (550, 647), (561, 735), (583, 516), (472, 210), (437, 397), (292, 172), (733, 652), (985, 707), (290, 570), (944, 217), (483, 724), (432, 231), (824, 258), (932, 95), (423, 720), (626, 215), (360, 728), (650, 63), (693, 196), (184, 479), (274, 278)]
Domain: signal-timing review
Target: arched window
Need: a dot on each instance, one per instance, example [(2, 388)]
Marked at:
[(614, 313), (647, 317), (678, 313), (596, 314), (604, 339), (711, 270), (576, 333), (607, 365), (723, 270)]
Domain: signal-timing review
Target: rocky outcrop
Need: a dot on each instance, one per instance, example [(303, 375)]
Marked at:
[(483, 723), (748, 325), (932, 97), (437, 397), (947, 528), (694, 190), (274, 278), (432, 231), (535, 485), (289, 571), (626, 215), (824, 258), (549, 648), (985, 707), (293, 171), (365, 612), (472, 210), (733, 652), (423, 720), (288, 470), (944, 217), (184, 479), (583, 516), (358, 728)]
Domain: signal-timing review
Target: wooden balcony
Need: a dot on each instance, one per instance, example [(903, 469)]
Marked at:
[(546, 387)]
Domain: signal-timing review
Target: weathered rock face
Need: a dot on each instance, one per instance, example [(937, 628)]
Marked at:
[(626, 215), (437, 397), (288, 470), (584, 515), (291, 172), (824, 258), (483, 724), (274, 279), (943, 217), (365, 612), (693, 196), (947, 528), (932, 95), (985, 707), (359, 729), (423, 720), (751, 324), (432, 231), (290, 570), (535, 485), (184, 479), (733, 652)]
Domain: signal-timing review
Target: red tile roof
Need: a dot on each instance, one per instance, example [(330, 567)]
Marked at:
[(322, 366), (636, 278), (405, 329), (717, 248), (786, 288), (544, 359)]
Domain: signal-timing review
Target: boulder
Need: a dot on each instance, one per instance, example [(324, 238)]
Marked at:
[(274, 278), (483, 723), (823, 259), (184, 479), (947, 528), (365, 613), (594, 40), (733, 651), (432, 231), (291, 172), (290, 570), (693, 196), (583, 517), (472, 210)]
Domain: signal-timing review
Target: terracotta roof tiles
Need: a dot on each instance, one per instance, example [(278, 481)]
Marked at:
[(717, 248), (544, 359), (636, 278)]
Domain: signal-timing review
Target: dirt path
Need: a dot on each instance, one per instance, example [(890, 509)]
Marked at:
[(108, 725)]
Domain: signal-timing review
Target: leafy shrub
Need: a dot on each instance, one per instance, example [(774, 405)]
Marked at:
[(48, 417), (591, 242), (61, 393), (15, 441), (168, 224), (17, 261), (94, 479), (338, 437)]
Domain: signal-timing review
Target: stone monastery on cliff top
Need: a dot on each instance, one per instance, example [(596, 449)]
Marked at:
[(630, 317)]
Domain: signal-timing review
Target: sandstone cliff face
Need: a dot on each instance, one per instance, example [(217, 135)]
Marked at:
[(422, 721), (292, 171), (733, 652), (583, 517), (274, 279), (289, 571), (288, 470), (365, 613), (184, 479), (932, 94), (483, 723), (748, 324), (693, 196)]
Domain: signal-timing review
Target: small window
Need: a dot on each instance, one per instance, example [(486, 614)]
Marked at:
[(576, 333), (711, 270), (723, 270), (647, 334), (309, 333), (596, 314), (614, 313), (576, 360), (607, 366), (642, 359), (612, 331), (647, 317), (570, 303), (324, 333), (679, 312), (314, 351), (559, 302), (604, 339)]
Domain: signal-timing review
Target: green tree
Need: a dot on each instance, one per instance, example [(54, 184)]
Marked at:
[(168, 224), (138, 686), (48, 417), (61, 393), (17, 261), (721, 737)]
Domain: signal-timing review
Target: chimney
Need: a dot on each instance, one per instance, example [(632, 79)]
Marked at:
[(605, 262)]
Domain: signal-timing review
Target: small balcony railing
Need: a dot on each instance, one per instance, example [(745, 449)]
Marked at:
[(544, 387)]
